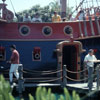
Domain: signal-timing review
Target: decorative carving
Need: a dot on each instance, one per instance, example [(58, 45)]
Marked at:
[(6, 14)]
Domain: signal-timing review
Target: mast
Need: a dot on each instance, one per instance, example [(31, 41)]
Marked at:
[(63, 8)]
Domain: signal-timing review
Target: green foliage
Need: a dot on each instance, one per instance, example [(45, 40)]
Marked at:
[(5, 90), (31, 97), (75, 96), (67, 95), (45, 12), (41, 93)]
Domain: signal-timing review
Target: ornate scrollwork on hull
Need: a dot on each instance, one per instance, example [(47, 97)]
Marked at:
[(5, 13)]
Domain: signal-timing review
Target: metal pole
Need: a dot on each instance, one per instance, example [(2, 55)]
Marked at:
[(81, 34), (91, 24), (97, 24), (64, 76), (85, 26), (20, 81), (98, 76)]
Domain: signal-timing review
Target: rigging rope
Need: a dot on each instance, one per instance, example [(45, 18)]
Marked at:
[(13, 6), (97, 3), (93, 7), (78, 6)]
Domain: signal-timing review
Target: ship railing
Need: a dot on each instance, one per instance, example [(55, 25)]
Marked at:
[(67, 77), (44, 76), (41, 72), (38, 79)]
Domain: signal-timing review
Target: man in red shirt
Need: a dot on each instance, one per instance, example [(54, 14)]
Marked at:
[(14, 63)]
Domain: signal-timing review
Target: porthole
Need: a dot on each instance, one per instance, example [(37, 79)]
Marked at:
[(68, 30), (24, 30), (47, 30)]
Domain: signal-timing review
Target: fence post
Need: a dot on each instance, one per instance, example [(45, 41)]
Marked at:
[(20, 81), (98, 76), (64, 75)]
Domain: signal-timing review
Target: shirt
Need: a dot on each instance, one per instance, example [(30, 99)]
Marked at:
[(90, 59), (28, 19), (56, 18), (80, 17), (36, 20), (15, 57)]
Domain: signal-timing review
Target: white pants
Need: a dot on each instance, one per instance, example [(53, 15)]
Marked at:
[(13, 70)]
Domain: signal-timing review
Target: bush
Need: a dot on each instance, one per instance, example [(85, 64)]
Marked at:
[(41, 93), (5, 90)]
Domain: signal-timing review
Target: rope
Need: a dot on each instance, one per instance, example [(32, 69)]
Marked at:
[(13, 7), (50, 80), (76, 72), (75, 79), (35, 71), (43, 73), (76, 3), (78, 7), (68, 6), (97, 3), (52, 72)]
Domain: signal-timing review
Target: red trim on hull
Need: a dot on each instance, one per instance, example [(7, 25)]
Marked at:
[(11, 30)]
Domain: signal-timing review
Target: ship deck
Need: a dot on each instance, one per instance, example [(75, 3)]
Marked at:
[(78, 87)]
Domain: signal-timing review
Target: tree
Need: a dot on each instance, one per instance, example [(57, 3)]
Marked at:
[(45, 12)]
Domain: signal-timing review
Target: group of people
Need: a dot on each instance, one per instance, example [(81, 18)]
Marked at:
[(55, 18), (36, 18), (88, 60)]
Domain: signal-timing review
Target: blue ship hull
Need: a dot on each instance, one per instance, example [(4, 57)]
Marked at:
[(48, 59)]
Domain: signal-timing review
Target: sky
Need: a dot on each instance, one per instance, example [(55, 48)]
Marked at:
[(20, 5)]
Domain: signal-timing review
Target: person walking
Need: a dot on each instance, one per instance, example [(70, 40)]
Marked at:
[(14, 60), (89, 62)]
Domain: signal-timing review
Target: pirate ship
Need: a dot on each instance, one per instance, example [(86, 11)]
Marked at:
[(46, 47)]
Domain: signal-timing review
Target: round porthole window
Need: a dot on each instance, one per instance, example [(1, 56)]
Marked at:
[(47, 30), (24, 30), (68, 30)]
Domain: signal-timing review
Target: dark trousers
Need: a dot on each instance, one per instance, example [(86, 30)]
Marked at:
[(90, 77), (98, 75)]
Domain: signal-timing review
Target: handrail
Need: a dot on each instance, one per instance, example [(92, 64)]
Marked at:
[(40, 72), (76, 72), (77, 80), (52, 80)]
